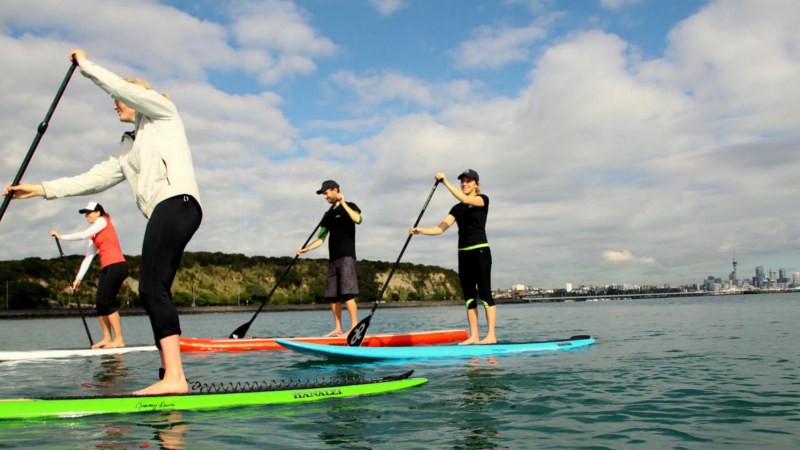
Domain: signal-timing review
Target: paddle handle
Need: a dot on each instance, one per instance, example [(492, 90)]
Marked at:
[(242, 330), (356, 336), (408, 239), (39, 133)]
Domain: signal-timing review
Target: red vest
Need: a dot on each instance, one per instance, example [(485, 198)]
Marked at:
[(107, 244)]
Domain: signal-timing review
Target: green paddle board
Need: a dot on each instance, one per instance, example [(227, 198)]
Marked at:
[(246, 394)]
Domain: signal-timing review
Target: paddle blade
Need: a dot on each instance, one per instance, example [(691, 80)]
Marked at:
[(356, 336), (240, 332)]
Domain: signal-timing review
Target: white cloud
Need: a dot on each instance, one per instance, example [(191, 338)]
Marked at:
[(192, 45), (618, 4), (387, 7), (495, 47), (277, 40), (271, 40), (388, 86), (322, 149), (625, 256), (738, 59), (352, 125)]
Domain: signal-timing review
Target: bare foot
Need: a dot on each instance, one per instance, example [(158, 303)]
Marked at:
[(470, 341), (334, 333), (488, 340), (165, 387), (102, 344), (116, 344)]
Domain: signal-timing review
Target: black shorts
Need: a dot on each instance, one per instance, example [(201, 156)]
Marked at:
[(342, 282), (111, 280)]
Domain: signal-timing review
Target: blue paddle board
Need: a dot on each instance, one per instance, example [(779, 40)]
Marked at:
[(439, 351)]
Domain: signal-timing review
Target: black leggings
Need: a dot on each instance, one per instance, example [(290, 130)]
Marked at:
[(169, 229), (475, 274), (111, 280)]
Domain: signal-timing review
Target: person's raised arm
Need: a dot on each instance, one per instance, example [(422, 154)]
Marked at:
[(355, 216), (474, 200)]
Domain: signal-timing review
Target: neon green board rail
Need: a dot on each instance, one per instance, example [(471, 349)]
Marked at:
[(34, 408)]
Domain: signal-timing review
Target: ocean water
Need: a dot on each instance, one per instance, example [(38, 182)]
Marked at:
[(701, 372)]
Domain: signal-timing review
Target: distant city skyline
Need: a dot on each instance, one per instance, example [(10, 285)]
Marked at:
[(759, 276)]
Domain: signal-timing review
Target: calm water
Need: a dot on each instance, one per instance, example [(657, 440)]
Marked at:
[(705, 372)]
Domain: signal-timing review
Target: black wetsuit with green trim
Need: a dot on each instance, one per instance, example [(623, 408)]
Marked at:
[(474, 255), (342, 232)]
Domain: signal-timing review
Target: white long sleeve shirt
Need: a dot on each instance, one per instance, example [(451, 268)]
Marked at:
[(99, 225), (157, 164)]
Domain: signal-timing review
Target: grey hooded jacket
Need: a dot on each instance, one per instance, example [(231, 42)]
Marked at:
[(157, 164)]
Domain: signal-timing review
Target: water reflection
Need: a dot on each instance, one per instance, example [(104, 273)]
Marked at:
[(171, 432), (109, 377), (484, 393)]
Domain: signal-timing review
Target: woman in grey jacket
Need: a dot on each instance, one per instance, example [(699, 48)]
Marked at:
[(156, 160)]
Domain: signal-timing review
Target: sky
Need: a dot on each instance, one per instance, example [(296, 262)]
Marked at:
[(619, 141)]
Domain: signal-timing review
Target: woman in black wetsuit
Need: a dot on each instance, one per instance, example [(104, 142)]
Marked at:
[(474, 255)]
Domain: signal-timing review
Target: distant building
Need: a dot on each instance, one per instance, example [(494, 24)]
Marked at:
[(758, 280), (782, 278), (569, 287)]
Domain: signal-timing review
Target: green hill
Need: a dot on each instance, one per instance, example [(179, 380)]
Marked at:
[(215, 279)]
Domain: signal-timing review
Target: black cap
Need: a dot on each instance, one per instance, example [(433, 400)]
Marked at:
[(92, 207), (328, 184), (471, 174)]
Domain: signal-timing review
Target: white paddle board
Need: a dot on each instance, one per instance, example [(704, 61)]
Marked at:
[(25, 355)]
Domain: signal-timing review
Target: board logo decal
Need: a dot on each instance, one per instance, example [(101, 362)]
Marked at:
[(320, 393), (155, 406)]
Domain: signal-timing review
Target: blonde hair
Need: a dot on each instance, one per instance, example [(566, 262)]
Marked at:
[(144, 84)]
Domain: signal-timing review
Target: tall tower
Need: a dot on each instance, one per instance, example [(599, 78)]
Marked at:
[(732, 277), (759, 281)]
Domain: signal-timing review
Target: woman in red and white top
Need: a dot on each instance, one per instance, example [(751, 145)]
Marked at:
[(104, 242)]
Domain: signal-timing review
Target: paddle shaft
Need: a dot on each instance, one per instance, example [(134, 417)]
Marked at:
[(77, 300), (242, 330), (356, 335), (40, 132)]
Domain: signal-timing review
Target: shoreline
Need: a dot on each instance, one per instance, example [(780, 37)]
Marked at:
[(182, 310)]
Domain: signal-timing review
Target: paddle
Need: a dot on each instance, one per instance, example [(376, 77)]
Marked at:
[(42, 128), (77, 300), (356, 335), (242, 330)]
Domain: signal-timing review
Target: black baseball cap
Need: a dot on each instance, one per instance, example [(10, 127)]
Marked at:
[(92, 207), (471, 174), (327, 184)]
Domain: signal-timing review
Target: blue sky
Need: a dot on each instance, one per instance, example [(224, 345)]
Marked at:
[(620, 141)]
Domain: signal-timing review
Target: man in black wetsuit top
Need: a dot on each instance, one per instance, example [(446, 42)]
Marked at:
[(342, 282)]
